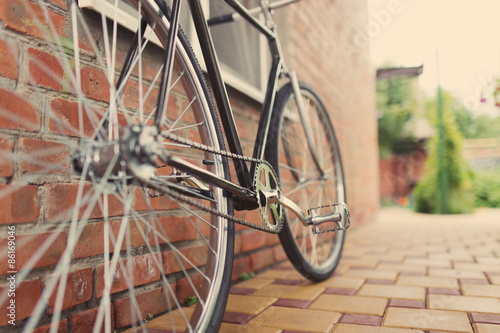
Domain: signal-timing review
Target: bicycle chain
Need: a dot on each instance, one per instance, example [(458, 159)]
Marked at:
[(191, 202)]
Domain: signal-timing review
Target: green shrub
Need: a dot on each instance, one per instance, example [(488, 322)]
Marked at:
[(459, 176), (487, 188)]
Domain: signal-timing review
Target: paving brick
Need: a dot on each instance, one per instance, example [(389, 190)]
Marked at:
[(242, 291), (495, 279), (237, 317), (231, 328), (340, 291), (428, 262), (280, 274), (166, 320), (341, 282), (401, 268), (443, 291), (427, 281), (309, 292), (248, 304), (352, 328), (371, 274), (486, 328), (296, 319), (485, 318), (455, 273), (275, 290), (464, 303), (368, 320), (350, 304), (427, 319), (254, 283), (478, 267), (406, 303), (292, 303), (473, 281), (392, 291), (481, 290)]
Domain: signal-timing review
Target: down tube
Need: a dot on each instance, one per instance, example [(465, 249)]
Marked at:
[(220, 93)]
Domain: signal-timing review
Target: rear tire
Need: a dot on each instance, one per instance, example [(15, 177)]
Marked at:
[(314, 256)]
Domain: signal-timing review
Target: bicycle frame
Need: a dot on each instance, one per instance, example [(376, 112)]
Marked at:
[(242, 189)]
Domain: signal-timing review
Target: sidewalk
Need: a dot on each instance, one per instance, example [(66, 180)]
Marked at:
[(405, 273)]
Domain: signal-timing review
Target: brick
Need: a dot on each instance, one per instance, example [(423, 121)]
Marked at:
[(443, 291), (62, 199), (342, 282), (353, 328), (261, 259), (95, 84), (427, 319), (131, 98), (78, 289), (254, 283), (64, 118), (240, 266), (481, 290), (16, 112), (143, 270), (279, 253), (350, 304), (486, 328), (91, 241), (26, 295), (83, 322), (406, 303), (252, 240), (427, 281), (150, 302), (358, 319), (296, 319), (185, 287), (252, 304), (6, 164), (45, 70), (28, 18), (61, 327), (20, 205), (172, 229), (41, 156), (485, 318), (464, 303), (392, 291), (9, 54), (371, 274), (236, 318), (27, 245)]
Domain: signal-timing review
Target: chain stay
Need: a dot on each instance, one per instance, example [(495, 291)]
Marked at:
[(191, 202)]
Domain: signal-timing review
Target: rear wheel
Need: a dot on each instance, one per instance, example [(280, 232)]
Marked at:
[(92, 244), (314, 255)]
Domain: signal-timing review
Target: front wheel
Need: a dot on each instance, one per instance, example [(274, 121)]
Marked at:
[(309, 181)]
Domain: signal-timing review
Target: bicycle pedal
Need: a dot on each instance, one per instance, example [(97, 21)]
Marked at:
[(341, 217)]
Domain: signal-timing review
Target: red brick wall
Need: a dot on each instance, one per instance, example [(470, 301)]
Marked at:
[(318, 43), (319, 47)]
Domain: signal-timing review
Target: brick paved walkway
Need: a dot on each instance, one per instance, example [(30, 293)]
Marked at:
[(406, 273)]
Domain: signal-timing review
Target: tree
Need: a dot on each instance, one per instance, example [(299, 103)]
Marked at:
[(458, 174), (396, 104)]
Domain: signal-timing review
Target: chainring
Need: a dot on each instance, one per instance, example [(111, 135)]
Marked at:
[(265, 180)]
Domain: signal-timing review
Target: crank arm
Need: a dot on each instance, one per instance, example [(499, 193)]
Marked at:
[(340, 214)]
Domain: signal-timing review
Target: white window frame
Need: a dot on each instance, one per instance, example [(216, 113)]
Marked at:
[(130, 22)]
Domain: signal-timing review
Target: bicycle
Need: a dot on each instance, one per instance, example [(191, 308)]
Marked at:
[(133, 152)]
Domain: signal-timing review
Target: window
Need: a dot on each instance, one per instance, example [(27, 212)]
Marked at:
[(242, 51)]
